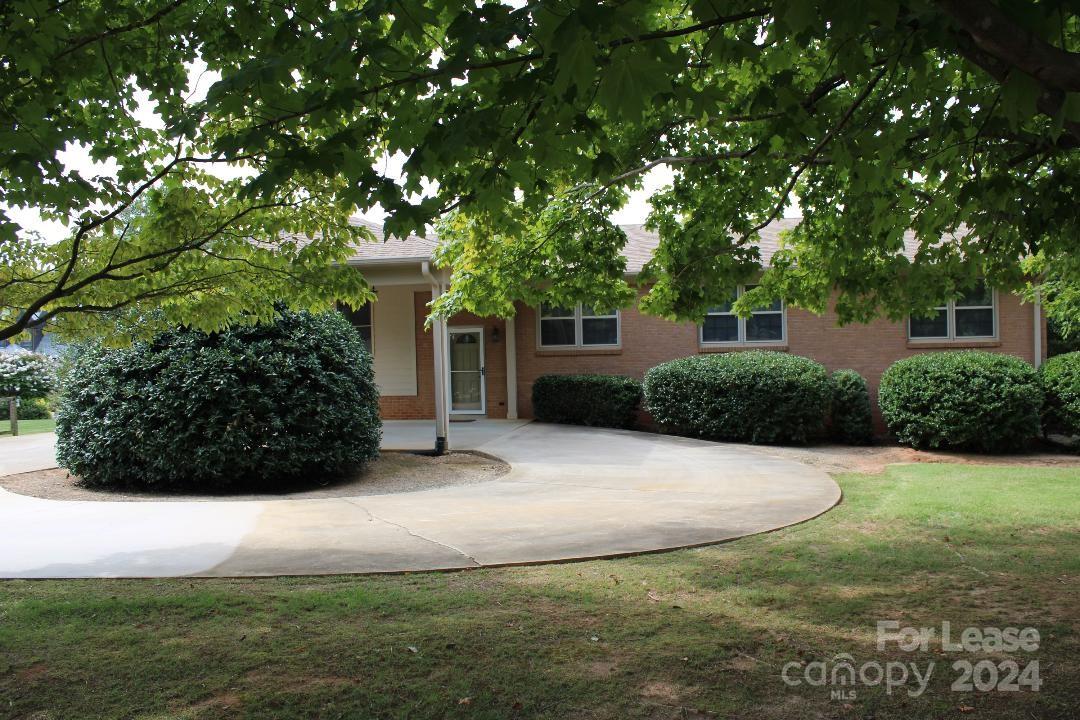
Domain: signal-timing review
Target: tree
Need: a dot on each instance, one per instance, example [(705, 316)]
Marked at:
[(26, 375), (957, 120), (157, 228)]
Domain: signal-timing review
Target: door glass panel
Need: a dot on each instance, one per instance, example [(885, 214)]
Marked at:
[(466, 378)]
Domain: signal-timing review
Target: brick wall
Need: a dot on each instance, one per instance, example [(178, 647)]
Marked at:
[(422, 405), (867, 348), (647, 341)]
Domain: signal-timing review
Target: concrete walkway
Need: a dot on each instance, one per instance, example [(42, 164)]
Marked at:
[(25, 453), (572, 493)]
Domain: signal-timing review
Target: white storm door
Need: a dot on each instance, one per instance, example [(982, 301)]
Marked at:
[(466, 386)]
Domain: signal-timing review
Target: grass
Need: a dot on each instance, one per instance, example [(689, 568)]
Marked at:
[(689, 634), (28, 427)]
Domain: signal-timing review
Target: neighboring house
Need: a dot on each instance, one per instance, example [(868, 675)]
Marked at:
[(37, 341), (489, 364)]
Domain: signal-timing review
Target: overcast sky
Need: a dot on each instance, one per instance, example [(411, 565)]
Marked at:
[(76, 158)]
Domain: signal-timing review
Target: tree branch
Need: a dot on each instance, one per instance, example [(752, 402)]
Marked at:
[(517, 59), (80, 43), (833, 132), (996, 34), (1049, 103)]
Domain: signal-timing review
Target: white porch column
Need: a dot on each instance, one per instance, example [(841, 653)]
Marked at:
[(442, 412), (438, 330), (511, 370)]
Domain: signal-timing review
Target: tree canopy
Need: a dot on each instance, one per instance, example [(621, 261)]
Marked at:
[(521, 127)]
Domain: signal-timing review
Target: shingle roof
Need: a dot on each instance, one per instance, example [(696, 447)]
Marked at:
[(639, 249), (641, 243), (385, 250)]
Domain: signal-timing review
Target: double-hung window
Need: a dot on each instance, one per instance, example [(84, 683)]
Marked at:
[(361, 320), (722, 326), (971, 316), (580, 326)]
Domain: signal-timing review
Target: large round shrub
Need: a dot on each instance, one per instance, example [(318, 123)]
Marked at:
[(1061, 381), (753, 396), (288, 403), (850, 417), (966, 400), (598, 400)]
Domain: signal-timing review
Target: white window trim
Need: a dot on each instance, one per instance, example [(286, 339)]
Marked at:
[(371, 332), (741, 324), (950, 323), (578, 344), (370, 326)]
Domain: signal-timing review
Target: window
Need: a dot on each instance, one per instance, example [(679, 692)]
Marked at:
[(972, 315), (599, 327), (763, 326), (361, 320), (578, 327)]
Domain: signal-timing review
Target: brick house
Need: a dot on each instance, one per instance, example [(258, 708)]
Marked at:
[(486, 366)]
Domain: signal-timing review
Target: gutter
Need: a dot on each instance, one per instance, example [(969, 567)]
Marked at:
[(398, 261)]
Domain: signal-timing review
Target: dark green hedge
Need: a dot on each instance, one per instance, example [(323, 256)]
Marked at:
[(1061, 382), (600, 400), (851, 420), (291, 403), (753, 396), (965, 400)]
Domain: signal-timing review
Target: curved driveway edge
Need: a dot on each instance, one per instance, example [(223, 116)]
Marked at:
[(572, 493)]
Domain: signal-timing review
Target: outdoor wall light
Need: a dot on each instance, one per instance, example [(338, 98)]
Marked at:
[(495, 334)]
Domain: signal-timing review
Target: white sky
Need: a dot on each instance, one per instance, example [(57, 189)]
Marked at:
[(635, 211), (77, 158)]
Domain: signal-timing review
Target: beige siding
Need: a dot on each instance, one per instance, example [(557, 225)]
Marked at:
[(394, 340)]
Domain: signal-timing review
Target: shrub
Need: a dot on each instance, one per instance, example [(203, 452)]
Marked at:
[(962, 400), (600, 400), (1061, 382), (32, 409), (850, 419), (293, 402), (26, 375), (753, 396)]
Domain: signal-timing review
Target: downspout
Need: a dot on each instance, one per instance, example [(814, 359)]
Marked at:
[(1038, 347), (438, 329)]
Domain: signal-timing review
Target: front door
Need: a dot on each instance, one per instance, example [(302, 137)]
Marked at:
[(466, 384)]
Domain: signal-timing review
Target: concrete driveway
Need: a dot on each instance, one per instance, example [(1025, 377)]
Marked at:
[(24, 453), (571, 493)]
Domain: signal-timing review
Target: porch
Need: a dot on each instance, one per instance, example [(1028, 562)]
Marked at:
[(443, 371)]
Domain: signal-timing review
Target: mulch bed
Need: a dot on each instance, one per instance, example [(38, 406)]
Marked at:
[(393, 472)]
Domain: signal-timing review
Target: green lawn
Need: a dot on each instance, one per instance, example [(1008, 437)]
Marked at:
[(688, 634), (27, 427)]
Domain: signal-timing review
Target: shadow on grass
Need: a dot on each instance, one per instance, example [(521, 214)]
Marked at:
[(697, 633)]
